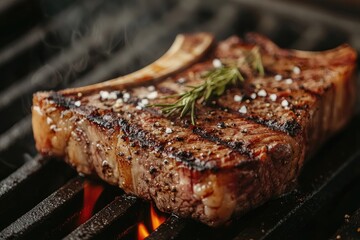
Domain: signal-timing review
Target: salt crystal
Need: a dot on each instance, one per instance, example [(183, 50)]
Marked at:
[(278, 77), (113, 95), (107, 118), (181, 80), (126, 95), (144, 101), (253, 95), (168, 130), (217, 63), (49, 120), (284, 103), (151, 88), (237, 98), (77, 103), (38, 110), (152, 95), (262, 93), (118, 103), (104, 94), (243, 110), (273, 97), (288, 81), (296, 70)]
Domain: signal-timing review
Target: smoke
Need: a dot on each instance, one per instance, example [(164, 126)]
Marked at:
[(98, 28)]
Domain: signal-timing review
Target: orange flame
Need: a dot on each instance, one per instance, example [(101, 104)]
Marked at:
[(156, 221), (92, 192), (142, 232)]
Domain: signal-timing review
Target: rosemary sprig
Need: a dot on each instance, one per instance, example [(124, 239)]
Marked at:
[(254, 59), (216, 82)]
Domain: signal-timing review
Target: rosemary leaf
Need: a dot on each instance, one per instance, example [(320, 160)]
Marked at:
[(254, 59), (215, 84)]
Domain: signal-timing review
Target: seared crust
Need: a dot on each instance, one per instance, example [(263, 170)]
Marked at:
[(229, 162)]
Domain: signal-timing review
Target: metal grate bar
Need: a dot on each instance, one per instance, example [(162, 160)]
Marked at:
[(21, 176), (351, 229), (170, 229), (302, 206), (6, 4), (310, 37), (17, 191), (303, 13), (104, 219), (47, 210), (37, 34), (16, 132), (268, 24), (220, 24)]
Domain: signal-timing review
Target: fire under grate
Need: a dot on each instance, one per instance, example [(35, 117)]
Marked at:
[(56, 44)]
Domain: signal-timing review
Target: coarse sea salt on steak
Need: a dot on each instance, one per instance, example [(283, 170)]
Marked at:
[(247, 146)]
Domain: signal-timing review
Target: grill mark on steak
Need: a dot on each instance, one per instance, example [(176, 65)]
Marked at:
[(237, 146), (93, 115), (134, 132), (206, 135), (187, 158), (212, 122), (61, 101), (291, 127), (143, 137), (97, 118)]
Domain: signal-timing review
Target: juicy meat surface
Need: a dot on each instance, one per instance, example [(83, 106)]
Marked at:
[(229, 162)]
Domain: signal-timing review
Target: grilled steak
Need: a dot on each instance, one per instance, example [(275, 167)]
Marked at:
[(247, 146)]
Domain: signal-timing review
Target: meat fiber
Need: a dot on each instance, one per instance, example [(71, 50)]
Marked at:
[(247, 146)]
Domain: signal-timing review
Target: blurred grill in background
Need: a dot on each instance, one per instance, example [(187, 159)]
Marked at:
[(48, 44)]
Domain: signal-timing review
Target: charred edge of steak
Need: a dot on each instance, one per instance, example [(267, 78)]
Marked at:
[(290, 127), (61, 101), (69, 103)]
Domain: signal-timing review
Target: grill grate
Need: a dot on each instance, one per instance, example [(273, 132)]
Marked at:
[(116, 211), (75, 43)]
